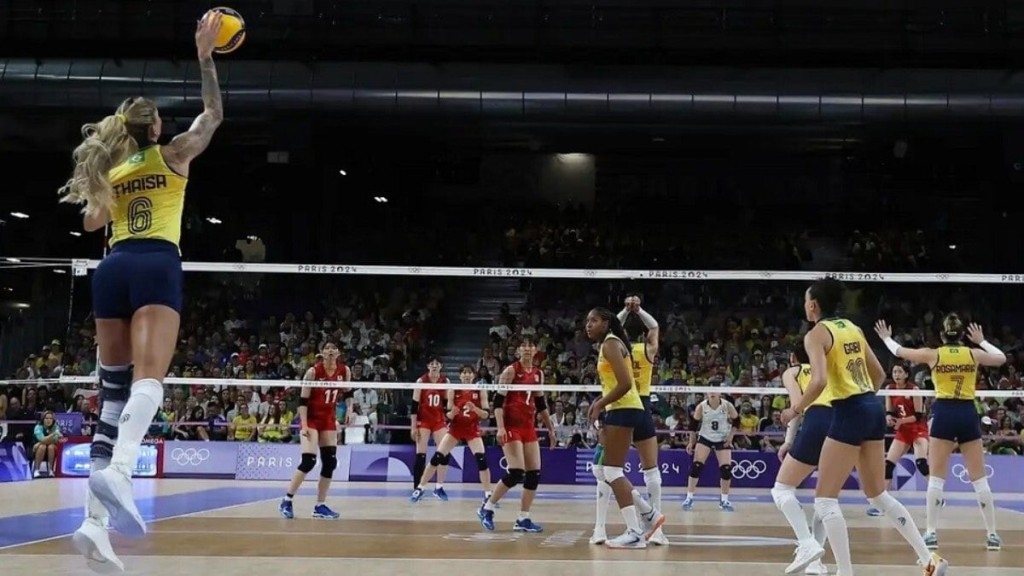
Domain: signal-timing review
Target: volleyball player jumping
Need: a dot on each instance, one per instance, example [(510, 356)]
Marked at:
[(127, 180)]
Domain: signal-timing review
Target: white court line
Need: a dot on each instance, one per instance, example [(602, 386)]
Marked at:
[(58, 537)]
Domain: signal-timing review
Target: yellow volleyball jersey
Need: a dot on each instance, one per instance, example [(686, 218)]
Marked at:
[(847, 361), (149, 199), (955, 375), (630, 399), (643, 369), (803, 378)]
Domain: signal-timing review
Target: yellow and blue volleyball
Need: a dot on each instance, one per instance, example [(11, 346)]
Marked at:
[(232, 30)]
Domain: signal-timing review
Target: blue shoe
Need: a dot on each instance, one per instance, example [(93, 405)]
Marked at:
[(875, 512), (726, 506), (931, 541), (286, 509), (322, 511), (416, 495), (688, 504), (527, 525), (440, 494), (486, 518)]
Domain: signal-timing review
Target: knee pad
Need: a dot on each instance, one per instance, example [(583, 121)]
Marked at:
[(890, 467), (532, 480), (446, 460), (513, 477), (328, 461), (116, 383), (613, 473), (481, 461), (308, 463), (922, 467), (151, 389), (782, 493), (725, 471), (438, 459), (652, 477), (695, 469)]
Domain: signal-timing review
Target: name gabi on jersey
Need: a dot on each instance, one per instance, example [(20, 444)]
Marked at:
[(141, 184), (953, 368), (851, 348)]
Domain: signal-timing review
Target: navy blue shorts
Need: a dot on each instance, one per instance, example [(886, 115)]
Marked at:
[(646, 430), (857, 419), (813, 431), (716, 446), (137, 273), (955, 420), (625, 417)]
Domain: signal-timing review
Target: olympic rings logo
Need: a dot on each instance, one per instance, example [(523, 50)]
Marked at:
[(749, 469), (960, 471), (190, 456)]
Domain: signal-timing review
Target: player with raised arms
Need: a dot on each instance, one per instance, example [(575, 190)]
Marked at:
[(713, 421), (428, 415), (127, 180), (843, 363), (643, 330), (318, 419), (466, 408), (515, 413), (623, 413), (954, 418), (799, 456), (906, 414)]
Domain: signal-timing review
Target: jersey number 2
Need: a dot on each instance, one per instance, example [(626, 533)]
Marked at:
[(140, 215)]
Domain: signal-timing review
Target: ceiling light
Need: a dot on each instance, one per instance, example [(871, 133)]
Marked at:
[(59, 271), (75, 234), (342, 172), (8, 289), (21, 215), (381, 199), (13, 259), (213, 220)]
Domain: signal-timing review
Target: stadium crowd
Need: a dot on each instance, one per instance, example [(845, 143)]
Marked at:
[(735, 334)]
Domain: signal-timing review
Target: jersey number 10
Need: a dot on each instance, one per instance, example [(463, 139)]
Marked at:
[(434, 400)]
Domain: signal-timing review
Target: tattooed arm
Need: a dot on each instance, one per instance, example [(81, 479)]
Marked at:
[(185, 147)]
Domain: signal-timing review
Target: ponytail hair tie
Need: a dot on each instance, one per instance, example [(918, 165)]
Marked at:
[(120, 118)]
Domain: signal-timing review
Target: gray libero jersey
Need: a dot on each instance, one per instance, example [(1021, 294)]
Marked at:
[(716, 425)]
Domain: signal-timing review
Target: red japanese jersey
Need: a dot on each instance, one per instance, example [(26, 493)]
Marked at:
[(463, 415), (432, 402), (902, 406), (322, 401), (519, 411)]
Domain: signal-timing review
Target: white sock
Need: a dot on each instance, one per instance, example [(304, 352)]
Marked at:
[(818, 529), (642, 505), (489, 505), (899, 516), (524, 515), (604, 493), (629, 515), (838, 534), (785, 500), (689, 494), (933, 503), (652, 479), (93, 507), (725, 497), (137, 417), (487, 495), (438, 486), (987, 504)]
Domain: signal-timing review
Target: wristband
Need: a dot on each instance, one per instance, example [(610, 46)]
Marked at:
[(991, 349)]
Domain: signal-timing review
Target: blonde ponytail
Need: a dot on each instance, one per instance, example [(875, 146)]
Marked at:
[(106, 144)]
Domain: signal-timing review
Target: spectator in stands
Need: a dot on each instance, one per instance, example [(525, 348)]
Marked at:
[(243, 424), (47, 437)]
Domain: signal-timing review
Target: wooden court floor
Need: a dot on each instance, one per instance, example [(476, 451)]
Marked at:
[(232, 528)]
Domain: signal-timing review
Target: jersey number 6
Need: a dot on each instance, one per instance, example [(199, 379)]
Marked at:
[(140, 215)]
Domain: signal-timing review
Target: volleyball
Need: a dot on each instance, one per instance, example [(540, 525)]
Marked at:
[(232, 30)]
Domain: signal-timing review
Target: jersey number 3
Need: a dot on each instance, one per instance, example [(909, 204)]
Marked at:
[(140, 215)]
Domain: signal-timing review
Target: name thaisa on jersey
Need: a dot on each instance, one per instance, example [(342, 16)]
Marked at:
[(141, 184)]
